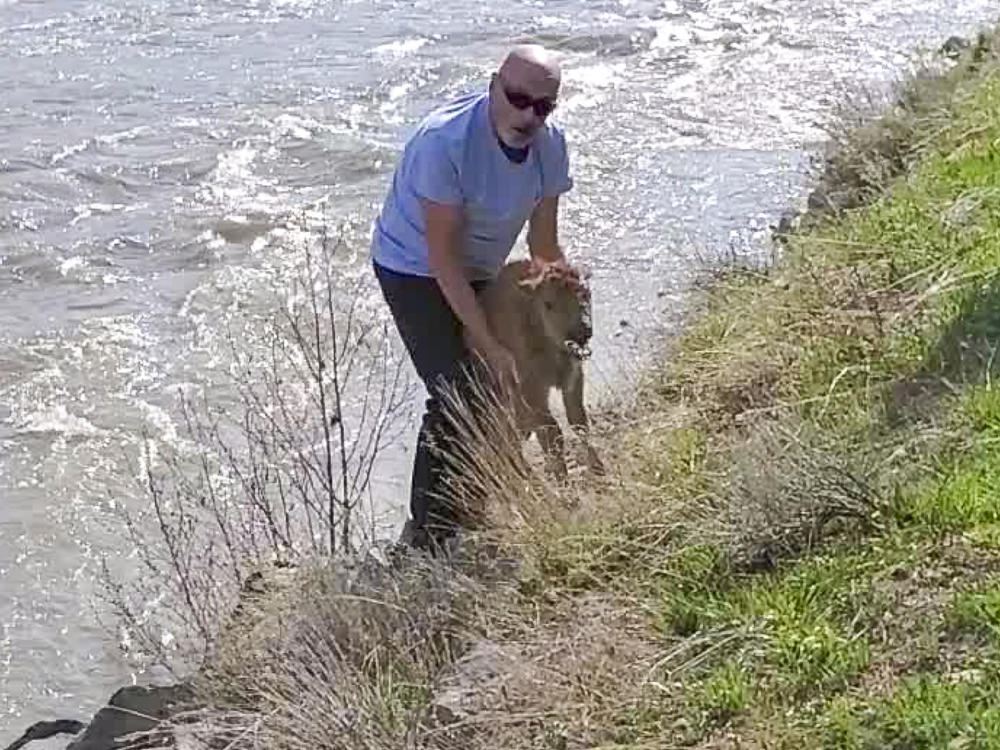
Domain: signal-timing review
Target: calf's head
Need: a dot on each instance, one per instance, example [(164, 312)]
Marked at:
[(560, 301)]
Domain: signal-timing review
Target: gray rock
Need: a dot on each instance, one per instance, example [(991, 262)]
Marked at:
[(476, 683), (954, 46)]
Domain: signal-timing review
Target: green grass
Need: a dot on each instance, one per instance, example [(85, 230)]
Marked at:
[(961, 493), (880, 332), (924, 712), (977, 611), (799, 632), (724, 693)]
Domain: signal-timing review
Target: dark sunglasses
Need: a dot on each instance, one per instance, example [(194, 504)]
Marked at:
[(543, 107)]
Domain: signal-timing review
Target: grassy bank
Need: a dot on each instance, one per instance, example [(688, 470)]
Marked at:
[(800, 543), (825, 477)]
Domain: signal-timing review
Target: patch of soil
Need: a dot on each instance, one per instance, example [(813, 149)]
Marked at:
[(911, 637)]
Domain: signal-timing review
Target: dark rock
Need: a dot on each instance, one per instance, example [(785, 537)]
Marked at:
[(818, 199), (131, 709), (42, 730), (953, 46)]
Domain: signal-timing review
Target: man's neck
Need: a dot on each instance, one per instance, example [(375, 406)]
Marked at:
[(516, 155)]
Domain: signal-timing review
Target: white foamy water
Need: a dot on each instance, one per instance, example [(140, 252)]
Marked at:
[(399, 48), (56, 419), (157, 167)]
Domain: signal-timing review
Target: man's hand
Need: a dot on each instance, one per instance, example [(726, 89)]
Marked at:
[(503, 366)]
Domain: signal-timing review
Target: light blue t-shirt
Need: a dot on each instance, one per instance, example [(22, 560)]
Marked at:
[(454, 158)]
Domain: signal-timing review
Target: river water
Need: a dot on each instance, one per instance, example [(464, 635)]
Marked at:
[(152, 152)]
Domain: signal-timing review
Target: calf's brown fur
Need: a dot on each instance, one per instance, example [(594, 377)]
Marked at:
[(542, 314)]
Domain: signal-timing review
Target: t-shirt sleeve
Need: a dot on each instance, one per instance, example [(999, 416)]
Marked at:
[(555, 166), (433, 174)]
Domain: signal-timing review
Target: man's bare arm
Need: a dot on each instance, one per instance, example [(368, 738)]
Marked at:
[(444, 257), (543, 232), (443, 227)]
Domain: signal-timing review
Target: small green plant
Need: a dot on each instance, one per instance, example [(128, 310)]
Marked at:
[(816, 655), (726, 692), (977, 611), (959, 710), (693, 588)]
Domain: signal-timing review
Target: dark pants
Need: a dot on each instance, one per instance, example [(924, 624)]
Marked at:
[(432, 335)]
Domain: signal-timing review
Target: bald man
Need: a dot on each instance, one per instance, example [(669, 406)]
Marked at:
[(472, 175)]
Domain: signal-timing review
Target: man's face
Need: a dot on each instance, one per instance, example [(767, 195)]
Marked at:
[(522, 99)]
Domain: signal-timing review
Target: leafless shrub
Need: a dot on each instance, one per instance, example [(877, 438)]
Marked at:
[(783, 491), (319, 394)]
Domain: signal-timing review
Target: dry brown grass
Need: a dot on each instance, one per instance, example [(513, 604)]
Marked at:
[(463, 651), (421, 657), (338, 658)]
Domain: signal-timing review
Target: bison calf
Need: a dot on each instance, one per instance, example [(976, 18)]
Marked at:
[(542, 314)]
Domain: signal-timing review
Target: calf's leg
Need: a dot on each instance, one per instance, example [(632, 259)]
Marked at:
[(546, 427), (576, 414)]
